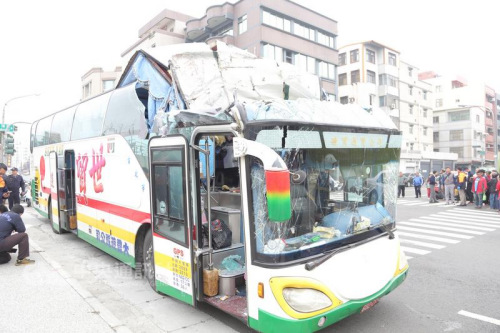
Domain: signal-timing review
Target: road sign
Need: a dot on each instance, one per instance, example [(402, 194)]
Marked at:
[(7, 128)]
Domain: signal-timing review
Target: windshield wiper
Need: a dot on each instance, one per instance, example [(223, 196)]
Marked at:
[(313, 264)]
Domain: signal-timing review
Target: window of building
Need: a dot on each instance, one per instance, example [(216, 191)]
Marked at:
[(382, 101), (273, 52), (87, 90), (410, 71), (424, 113), (355, 77), (477, 118), (438, 88), (242, 24), (457, 150), (287, 25), (343, 79), (458, 115), (410, 108), (411, 129), (311, 65), (288, 56), (370, 77), (326, 70), (108, 85), (354, 56), (372, 99), (425, 95), (344, 100), (370, 56), (435, 136), (435, 120), (410, 90), (411, 146), (439, 102), (456, 135), (424, 131), (342, 59), (392, 59)]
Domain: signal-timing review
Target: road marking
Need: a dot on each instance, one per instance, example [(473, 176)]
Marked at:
[(461, 224), (408, 257), (413, 250), (437, 227), (479, 212), (437, 239), (470, 218), (479, 317), (440, 233), (424, 244)]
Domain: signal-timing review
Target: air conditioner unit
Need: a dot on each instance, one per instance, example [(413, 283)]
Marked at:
[(351, 100)]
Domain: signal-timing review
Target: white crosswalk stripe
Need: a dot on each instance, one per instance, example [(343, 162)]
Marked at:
[(451, 226), (432, 232), (461, 224), (407, 249), (437, 227)]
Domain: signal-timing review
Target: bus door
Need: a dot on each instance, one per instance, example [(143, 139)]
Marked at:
[(171, 217), (66, 191), (53, 202)]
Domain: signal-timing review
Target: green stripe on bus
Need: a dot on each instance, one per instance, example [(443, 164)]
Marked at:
[(56, 226), (174, 292), (270, 323), (41, 212), (126, 258)]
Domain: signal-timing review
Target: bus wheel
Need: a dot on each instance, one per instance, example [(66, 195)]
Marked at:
[(51, 219), (148, 255)]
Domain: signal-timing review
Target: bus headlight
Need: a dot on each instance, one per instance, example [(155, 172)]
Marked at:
[(302, 297), (306, 300)]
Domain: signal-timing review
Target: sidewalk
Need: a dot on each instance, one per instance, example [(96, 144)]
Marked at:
[(38, 298)]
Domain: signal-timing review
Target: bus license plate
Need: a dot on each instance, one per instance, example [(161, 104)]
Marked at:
[(369, 305)]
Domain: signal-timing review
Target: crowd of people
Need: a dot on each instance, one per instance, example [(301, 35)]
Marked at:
[(458, 187), (12, 228)]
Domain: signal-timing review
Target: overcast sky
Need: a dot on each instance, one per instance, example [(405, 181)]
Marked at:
[(46, 46)]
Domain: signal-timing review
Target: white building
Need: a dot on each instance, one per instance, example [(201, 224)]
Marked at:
[(372, 74)]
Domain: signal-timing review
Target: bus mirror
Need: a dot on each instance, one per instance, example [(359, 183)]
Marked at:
[(277, 177)]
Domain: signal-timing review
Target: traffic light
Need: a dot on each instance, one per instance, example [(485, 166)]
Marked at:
[(9, 145)]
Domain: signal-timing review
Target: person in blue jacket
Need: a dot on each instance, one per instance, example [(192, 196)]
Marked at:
[(417, 184)]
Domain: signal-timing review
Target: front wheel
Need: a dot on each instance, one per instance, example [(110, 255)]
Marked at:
[(148, 255)]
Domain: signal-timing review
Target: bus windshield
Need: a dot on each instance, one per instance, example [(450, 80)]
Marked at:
[(343, 186)]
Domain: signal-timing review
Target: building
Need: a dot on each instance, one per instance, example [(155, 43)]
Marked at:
[(373, 75), (465, 120), (276, 29), (282, 30), (97, 81)]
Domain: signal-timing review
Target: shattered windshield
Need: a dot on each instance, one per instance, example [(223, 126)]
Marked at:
[(343, 187)]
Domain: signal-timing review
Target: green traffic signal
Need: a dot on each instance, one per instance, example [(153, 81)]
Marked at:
[(9, 145)]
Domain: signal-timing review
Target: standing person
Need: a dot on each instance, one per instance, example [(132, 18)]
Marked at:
[(417, 184), (441, 182), (14, 182), (9, 222), (402, 184), (479, 186), (492, 187), (449, 186), (487, 176), (468, 189), (4, 192), (461, 184), (498, 191), (432, 184)]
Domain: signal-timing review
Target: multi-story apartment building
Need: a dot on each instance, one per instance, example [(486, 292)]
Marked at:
[(278, 29), (465, 120), (281, 30), (373, 75)]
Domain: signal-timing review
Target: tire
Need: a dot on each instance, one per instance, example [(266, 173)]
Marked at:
[(148, 266)]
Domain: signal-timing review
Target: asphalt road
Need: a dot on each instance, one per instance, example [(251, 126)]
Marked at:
[(454, 267)]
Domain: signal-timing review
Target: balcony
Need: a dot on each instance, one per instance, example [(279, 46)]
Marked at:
[(215, 17), (489, 156), (488, 122), (489, 139)]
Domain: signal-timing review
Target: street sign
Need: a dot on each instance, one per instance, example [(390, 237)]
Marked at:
[(7, 128)]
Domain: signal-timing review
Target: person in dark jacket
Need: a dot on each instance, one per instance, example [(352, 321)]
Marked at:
[(4, 192), (492, 187), (10, 222), (14, 182), (432, 183)]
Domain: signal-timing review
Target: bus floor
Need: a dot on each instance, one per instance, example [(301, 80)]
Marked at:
[(236, 305)]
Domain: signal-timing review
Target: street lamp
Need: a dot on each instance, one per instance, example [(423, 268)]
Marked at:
[(3, 118)]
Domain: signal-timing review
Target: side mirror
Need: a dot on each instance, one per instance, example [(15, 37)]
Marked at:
[(277, 177)]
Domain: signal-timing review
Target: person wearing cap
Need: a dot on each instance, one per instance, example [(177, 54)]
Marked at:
[(479, 186), (14, 182)]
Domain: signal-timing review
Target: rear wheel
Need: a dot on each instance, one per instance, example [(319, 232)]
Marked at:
[(148, 256)]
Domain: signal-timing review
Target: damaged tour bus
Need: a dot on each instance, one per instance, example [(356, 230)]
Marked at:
[(217, 174)]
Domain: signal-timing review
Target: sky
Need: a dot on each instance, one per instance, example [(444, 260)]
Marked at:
[(47, 45)]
